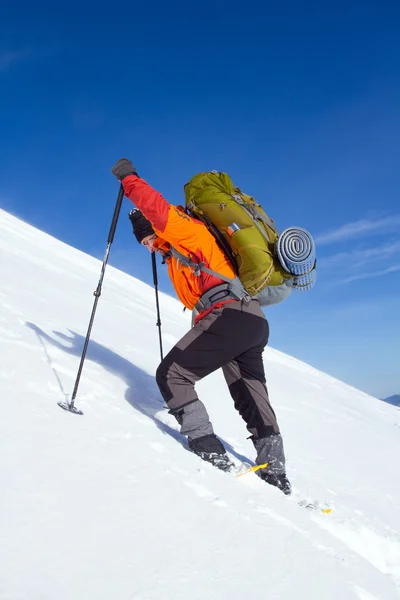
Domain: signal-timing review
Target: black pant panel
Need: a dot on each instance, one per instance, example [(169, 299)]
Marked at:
[(232, 337)]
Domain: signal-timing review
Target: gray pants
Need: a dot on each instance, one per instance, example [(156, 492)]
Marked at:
[(233, 338)]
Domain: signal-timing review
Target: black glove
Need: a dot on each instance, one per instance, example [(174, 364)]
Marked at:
[(122, 168)]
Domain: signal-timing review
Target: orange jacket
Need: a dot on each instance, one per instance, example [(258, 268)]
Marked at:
[(187, 235)]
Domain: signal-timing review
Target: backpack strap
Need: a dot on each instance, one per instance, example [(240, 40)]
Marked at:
[(235, 286)]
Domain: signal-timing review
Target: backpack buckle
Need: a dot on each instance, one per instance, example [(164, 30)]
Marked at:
[(238, 198), (196, 268)]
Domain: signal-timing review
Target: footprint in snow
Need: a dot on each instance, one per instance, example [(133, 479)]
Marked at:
[(202, 492), (157, 447)]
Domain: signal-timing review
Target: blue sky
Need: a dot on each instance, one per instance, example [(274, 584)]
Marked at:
[(298, 102)]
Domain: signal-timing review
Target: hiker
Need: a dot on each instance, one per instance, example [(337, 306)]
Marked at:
[(227, 332)]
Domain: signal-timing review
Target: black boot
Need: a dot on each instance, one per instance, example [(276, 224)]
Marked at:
[(280, 481), (210, 449)]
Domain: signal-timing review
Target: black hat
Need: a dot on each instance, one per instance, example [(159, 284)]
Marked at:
[(141, 226)]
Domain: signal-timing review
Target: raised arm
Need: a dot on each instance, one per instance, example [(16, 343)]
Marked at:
[(152, 204), (168, 221)]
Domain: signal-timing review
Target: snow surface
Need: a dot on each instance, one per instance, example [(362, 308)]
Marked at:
[(112, 506)]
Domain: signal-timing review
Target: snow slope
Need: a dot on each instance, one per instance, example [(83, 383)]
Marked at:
[(111, 505)]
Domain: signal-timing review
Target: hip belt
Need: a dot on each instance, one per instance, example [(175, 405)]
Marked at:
[(215, 294)]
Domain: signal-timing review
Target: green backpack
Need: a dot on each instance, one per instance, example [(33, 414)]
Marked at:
[(244, 231)]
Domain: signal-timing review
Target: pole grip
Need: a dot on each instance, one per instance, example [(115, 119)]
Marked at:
[(116, 214)]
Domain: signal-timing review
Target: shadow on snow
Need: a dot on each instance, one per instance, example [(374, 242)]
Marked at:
[(142, 391)]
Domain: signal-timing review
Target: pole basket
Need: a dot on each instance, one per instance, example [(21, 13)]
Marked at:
[(70, 408)]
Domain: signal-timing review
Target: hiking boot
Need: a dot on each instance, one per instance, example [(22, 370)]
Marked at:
[(221, 461), (280, 481), (211, 449)]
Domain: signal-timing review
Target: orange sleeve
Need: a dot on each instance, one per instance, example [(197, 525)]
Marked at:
[(168, 221)]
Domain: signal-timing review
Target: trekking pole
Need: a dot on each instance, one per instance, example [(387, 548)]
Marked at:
[(155, 279), (97, 293)]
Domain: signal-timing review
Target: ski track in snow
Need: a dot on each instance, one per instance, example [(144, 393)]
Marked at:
[(112, 505)]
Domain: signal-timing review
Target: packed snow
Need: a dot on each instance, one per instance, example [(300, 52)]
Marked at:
[(112, 506)]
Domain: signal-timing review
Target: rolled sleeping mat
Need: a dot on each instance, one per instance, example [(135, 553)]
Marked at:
[(296, 252)]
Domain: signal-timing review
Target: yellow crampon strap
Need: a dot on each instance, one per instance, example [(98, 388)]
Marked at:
[(253, 469)]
